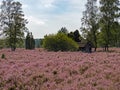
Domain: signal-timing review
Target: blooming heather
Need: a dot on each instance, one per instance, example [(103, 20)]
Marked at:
[(42, 70)]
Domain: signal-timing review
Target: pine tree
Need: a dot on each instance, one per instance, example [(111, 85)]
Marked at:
[(76, 36), (27, 41), (30, 42)]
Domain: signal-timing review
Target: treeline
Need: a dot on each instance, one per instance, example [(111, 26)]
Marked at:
[(62, 41), (100, 23), (100, 26)]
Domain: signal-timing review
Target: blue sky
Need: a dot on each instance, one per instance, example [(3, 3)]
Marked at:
[(48, 16)]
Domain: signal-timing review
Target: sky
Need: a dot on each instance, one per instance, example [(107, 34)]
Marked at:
[(49, 16)]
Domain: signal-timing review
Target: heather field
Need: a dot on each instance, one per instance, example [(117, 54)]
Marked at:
[(42, 70)]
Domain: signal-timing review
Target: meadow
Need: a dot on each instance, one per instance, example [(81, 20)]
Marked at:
[(42, 70)]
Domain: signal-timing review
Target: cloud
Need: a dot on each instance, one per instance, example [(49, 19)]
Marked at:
[(78, 4), (35, 20), (47, 3), (48, 16), (0, 3), (69, 20), (25, 6)]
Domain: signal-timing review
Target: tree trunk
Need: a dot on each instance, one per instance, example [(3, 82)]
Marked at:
[(94, 38)]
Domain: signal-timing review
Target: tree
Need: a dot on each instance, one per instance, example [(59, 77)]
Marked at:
[(32, 42), (71, 35), (109, 10), (29, 41), (12, 22), (63, 30), (90, 22), (115, 35), (77, 36)]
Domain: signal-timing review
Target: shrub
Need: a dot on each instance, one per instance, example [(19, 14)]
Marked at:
[(59, 80), (60, 42), (83, 69)]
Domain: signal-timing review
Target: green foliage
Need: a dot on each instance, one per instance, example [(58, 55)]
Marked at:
[(2, 43), (29, 42), (63, 30), (90, 22), (58, 42), (100, 40), (12, 22), (75, 36), (109, 10), (101, 25), (41, 42), (71, 35), (3, 56), (21, 44)]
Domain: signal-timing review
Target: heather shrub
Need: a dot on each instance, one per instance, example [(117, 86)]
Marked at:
[(59, 80), (83, 69), (73, 72), (59, 42)]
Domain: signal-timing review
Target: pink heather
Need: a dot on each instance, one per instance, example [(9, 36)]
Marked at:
[(42, 70)]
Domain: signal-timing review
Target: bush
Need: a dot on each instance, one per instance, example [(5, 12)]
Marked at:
[(58, 42)]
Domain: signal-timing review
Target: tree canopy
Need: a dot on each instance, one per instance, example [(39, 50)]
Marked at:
[(12, 21), (101, 25)]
